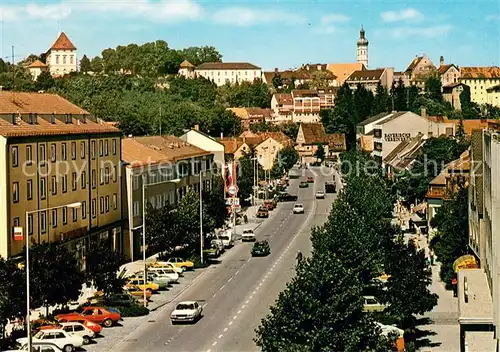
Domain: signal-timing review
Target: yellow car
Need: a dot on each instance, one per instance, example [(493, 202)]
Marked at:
[(139, 283), (181, 263)]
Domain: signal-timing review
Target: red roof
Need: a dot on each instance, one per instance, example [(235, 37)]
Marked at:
[(63, 43)]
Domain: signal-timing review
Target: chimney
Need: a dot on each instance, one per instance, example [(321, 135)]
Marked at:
[(441, 60), (276, 70), (196, 127), (423, 112)]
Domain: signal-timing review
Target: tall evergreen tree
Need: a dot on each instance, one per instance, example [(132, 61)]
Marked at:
[(85, 65), (381, 100), (399, 93)]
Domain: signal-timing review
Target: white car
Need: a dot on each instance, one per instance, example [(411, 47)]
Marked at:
[(298, 208), (167, 273), (186, 311), (227, 240), (248, 236), (217, 243), (59, 337), (39, 346), (320, 195), (78, 329), (164, 265)]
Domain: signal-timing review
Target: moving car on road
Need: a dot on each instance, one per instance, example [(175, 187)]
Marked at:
[(261, 249), (58, 337), (262, 212), (286, 197), (97, 315), (227, 239), (330, 187), (320, 195), (298, 208), (186, 311), (248, 236), (303, 184), (310, 179)]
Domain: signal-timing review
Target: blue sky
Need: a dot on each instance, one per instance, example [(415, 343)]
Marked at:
[(270, 34)]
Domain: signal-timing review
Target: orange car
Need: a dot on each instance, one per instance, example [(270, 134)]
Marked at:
[(96, 315)]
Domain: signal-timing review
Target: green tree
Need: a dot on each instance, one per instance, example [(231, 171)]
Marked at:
[(44, 81), (320, 152), (320, 310), (160, 228), (407, 289), (85, 65), (198, 55), (399, 96), (55, 276), (214, 206), (285, 159), (433, 88), (102, 266), (412, 94), (451, 240), (96, 65), (381, 100), (277, 81), (245, 178), (12, 297)]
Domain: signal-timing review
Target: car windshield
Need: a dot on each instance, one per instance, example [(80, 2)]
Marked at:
[(224, 237), (247, 231), (38, 335), (184, 306), (298, 206)]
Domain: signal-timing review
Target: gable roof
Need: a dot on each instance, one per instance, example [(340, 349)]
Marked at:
[(284, 98), (227, 66), (444, 68), (37, 64), (480, 72), (336, 142), (62, 43), (304, 93), (173, 148), (231, 144), (366, 75), (279, 137), (137, 154), (395, 115), (342, 71), (405, 152), (469, 125), (373, 119), (416, 60), (314, 133), (186, 64)]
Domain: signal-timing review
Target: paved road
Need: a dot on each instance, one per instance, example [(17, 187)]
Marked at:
[(237, 292)]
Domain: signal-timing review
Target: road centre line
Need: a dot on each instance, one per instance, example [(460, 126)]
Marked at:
[(220, 336), (215, 343)]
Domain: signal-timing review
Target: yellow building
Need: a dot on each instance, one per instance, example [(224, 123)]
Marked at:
[(480, 80), (53, 153), (267, 150)]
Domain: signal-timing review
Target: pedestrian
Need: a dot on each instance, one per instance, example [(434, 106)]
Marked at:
[(454, 284), (299, 257), (245, 218)]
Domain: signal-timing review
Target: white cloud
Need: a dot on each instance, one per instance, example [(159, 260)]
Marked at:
[(402, 15), (163, 10), (334, 18), (493, 17), (407, 32), (243, 16)]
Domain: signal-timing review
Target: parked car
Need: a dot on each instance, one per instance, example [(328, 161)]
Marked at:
[(39, 346), (160, 264), (162, 281), (137, 292), (167, 272), (181, 263), (262, 213), (97, 315), (320, 195), (261, 249), (73, 328), (310, 179), (217, 242), (303, 184), (186, 311), (118, 299), (248, 236), (142, 285), (371, 304), (227, 239), (298, 208), (269, 204), (58, 337)]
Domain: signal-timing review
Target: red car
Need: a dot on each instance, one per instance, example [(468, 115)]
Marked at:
[(310, 180), (96, 315)]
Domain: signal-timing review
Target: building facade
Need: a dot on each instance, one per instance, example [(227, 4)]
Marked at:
[(311, 135), (205, 142), (53, 153), (223, 72), (169, 167), (449, 73), (370, 79), (36, 68), (61, 57), (418, 70), (451, 94), (480, 79), (301, 105), (251, 116), (362, 48), (267, 150)]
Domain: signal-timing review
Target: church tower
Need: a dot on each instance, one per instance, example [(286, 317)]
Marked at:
[(362, 54)]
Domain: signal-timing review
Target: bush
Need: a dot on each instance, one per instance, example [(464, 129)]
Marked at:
[(133, 311)]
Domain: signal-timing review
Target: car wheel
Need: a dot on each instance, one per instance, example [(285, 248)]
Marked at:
[(107, 323), (86, 340), (183, 268), (149, 290), (68, 348)]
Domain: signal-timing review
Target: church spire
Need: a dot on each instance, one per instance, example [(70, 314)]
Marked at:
[(362, 52)]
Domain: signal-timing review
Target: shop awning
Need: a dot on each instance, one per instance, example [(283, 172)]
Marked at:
[(465, 262)]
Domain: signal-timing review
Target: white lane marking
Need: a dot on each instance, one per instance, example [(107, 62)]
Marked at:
[(214, 295), (249, 259), (220, 289), (204, 305), (239, 311), (220, 336), (237, 272), (247, 301), (215, 343), (254, 292), (229, 279), (243, 306), (234, 318), (225, 329), (209, 350), (230, 323)]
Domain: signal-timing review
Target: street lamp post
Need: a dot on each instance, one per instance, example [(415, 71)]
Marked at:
[(27, 266), (144, 185), (201, 222)]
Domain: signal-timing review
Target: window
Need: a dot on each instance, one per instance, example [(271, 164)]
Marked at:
[(115, 201), (74, 181), (101, 148), (54, 218), (101, 176), (135, 183), (43, 188), (377, 133), (101, 205), (43, 155), (94, 179), (64, 215), (106, 175), (65, 183), (71, 62), (29, 155), (82, 150), (43, 222), (113, 146), (93, 208), (63, 151), (115, 173), (92, 150), (159, 202), (64, 59), (106, 147), (106, 204), (53, 153), (29, 190), (57, 59), (30, 224), (449, 131), (15, 192), (84, 180), (84, 209), (54, 185), (15, 156), (135, 211), (73, 150), (75, 214)]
